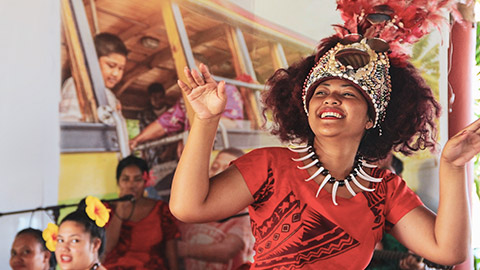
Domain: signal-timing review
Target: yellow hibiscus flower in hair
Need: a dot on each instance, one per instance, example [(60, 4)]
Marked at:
[(50, 235), (97, 211)]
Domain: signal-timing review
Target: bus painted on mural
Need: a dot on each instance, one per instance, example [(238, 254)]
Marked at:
[(162, 37)]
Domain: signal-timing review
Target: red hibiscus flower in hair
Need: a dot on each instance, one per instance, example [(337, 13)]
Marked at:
[(149, 178)]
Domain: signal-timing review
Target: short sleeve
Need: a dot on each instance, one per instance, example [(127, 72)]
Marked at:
[(234, 106), (257, 159), (174, 119), (400, 199), (258, 174), (169, 223), (69, 107)]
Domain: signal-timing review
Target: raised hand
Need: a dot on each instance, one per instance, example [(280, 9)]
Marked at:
[(462, 147), (208, 99)]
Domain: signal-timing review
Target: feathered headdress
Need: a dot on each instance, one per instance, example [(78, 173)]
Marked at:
[(375, 34), (398, 23)]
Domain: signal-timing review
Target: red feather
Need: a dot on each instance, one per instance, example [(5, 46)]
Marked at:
[(410, 20)]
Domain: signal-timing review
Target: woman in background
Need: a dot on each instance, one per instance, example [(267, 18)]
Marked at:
[(142, 232), (81, 240), (29, 251)]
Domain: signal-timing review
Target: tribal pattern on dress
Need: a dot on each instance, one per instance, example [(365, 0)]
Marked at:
[(294, 236)]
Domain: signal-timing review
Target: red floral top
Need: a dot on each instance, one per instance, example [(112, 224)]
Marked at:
[(141, 244)]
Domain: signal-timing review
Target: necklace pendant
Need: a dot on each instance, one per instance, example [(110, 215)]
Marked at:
[(315, 174), (308, 165), (299, 149), (324, 182), (357, 170)]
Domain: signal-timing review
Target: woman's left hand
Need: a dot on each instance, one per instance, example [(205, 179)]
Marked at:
[(462, 147)]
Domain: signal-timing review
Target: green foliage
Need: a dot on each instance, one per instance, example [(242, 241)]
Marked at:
[(477, 47), (425, 58), (476, 258), (132, 128)]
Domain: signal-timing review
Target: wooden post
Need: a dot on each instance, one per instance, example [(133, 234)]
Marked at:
[(278, 56), (241, 67), (176, 46), (83, 85), (460, 79)]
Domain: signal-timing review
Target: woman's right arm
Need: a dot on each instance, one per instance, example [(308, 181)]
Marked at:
[(112, 233), (153, 131), (194, 197), (114, 226)]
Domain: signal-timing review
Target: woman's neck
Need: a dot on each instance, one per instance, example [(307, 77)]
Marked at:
[(338, 157)]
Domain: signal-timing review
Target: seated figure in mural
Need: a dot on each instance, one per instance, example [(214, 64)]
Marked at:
[(175, 119), (112, 57), (156, 155), (142, 232), (225, 244), (29, 252)]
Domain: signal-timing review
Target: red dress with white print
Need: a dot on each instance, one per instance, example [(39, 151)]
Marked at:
[(294, 229)]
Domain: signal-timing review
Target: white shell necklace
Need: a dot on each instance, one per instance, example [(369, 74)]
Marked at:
[(356, 171)]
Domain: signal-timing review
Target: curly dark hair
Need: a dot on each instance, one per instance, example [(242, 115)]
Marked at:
[(409, 123)]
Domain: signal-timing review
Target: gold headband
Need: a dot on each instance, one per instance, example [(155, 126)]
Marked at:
[(360, 64)]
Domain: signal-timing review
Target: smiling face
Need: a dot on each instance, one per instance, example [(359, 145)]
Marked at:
[(131, 182), (112, 67), (338, 108), (27, 254), (75, 248)]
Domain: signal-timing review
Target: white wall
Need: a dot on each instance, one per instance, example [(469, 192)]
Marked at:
[(29, 130), (312, 18)]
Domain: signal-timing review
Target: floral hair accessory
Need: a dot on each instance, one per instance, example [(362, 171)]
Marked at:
[(50, 235), (97, 211), (149, 178)]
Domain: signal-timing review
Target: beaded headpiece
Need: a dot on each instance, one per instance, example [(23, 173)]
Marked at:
[(360, 64), (375, 34)]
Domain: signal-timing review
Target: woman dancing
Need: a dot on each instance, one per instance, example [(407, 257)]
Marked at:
[(323, 206)]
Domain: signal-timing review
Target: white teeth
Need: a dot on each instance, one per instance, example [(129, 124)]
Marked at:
[(65, 258), (331, 114)]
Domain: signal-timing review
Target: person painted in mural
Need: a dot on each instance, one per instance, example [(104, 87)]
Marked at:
[(175, 119), (323, 205), (112, 57), (225, 244), (156, 155)]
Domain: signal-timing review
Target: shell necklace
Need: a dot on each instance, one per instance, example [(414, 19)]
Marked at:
[(356, 171)]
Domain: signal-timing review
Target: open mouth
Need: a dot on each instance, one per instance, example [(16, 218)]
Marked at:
[(65, 259), (331, 115)]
